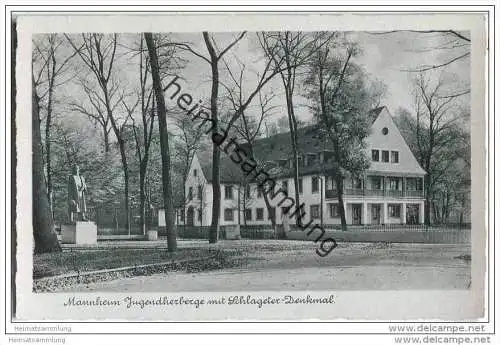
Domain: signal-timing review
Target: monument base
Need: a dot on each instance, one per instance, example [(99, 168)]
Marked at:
[(233, 232), (79, 233), (152, 235)]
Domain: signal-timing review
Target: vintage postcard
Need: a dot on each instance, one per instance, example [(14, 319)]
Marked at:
[(251, 166)]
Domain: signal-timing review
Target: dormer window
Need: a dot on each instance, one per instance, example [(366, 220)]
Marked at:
[(301, 161), (328, 156), (311, 159)]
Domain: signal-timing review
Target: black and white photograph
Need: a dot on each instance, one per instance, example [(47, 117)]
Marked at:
[(250, 166), (252, 161)]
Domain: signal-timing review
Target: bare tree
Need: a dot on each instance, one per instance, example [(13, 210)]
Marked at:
[(456, 42), (95, 112), (43, 224), (165, 152), (187, 144), (437, 117), (143, 132), (291, 50), (213, 58), (50, 65), (249, 128), (98, 53), (341, 101)]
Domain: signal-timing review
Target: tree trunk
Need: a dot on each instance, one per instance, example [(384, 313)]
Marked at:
[(245, 197), (48, 124), (214, 226), (292, 121), (339, 180), (123, 156), (269, 208), (142, 196), (428, 202), (43, 227), (106, 138), (165, 153)]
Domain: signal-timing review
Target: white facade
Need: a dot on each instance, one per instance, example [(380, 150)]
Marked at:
[(390, 192)]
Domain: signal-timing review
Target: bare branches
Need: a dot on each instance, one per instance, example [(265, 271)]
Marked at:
[(437, 66)]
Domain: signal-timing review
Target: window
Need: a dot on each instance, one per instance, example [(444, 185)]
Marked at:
[(376, 182), (311, 160), (260, 214), (314, 211), (385, 130), (375, 155), (195, 172), (247, 190), (331, 184), (413, 183), (183, 215), (248, 214), (200, 191), (394, 210), (272, 213), (385, 156), (200, 214), (420, 184), (394, 156), (315, 184), (284, 186), (228, 192), (334, 210), (228, 214), (282, 163), (190, 193), (357, 183), (285, 210), (393, 183), (300, 185), (259, 192)]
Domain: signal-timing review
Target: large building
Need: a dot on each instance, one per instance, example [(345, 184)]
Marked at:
[(391, 191)]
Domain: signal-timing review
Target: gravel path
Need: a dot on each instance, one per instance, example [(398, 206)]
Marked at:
[(293, 265)]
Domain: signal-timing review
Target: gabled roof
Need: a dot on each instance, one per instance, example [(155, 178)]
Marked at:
[(269, 151), (279, 146), (229, 171), (374, 113)]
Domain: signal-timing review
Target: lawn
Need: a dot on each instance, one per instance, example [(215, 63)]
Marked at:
[(53, 264)]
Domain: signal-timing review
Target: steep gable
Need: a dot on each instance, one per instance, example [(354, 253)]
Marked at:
[(392, 141), (201, 177)]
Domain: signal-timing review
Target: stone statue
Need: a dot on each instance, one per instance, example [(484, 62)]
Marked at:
[(76, 195)]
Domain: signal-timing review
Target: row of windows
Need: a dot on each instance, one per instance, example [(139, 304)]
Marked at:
[(314, 211), (393, 210), (309, 159), (392, 183), (385, 156)]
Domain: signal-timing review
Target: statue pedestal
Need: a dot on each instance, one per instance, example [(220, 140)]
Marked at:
[(79, 233), (233, 232)]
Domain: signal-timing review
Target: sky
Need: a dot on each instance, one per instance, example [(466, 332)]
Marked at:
[(384, 57)]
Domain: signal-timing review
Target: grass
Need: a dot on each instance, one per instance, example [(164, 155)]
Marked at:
[(53, 264)]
